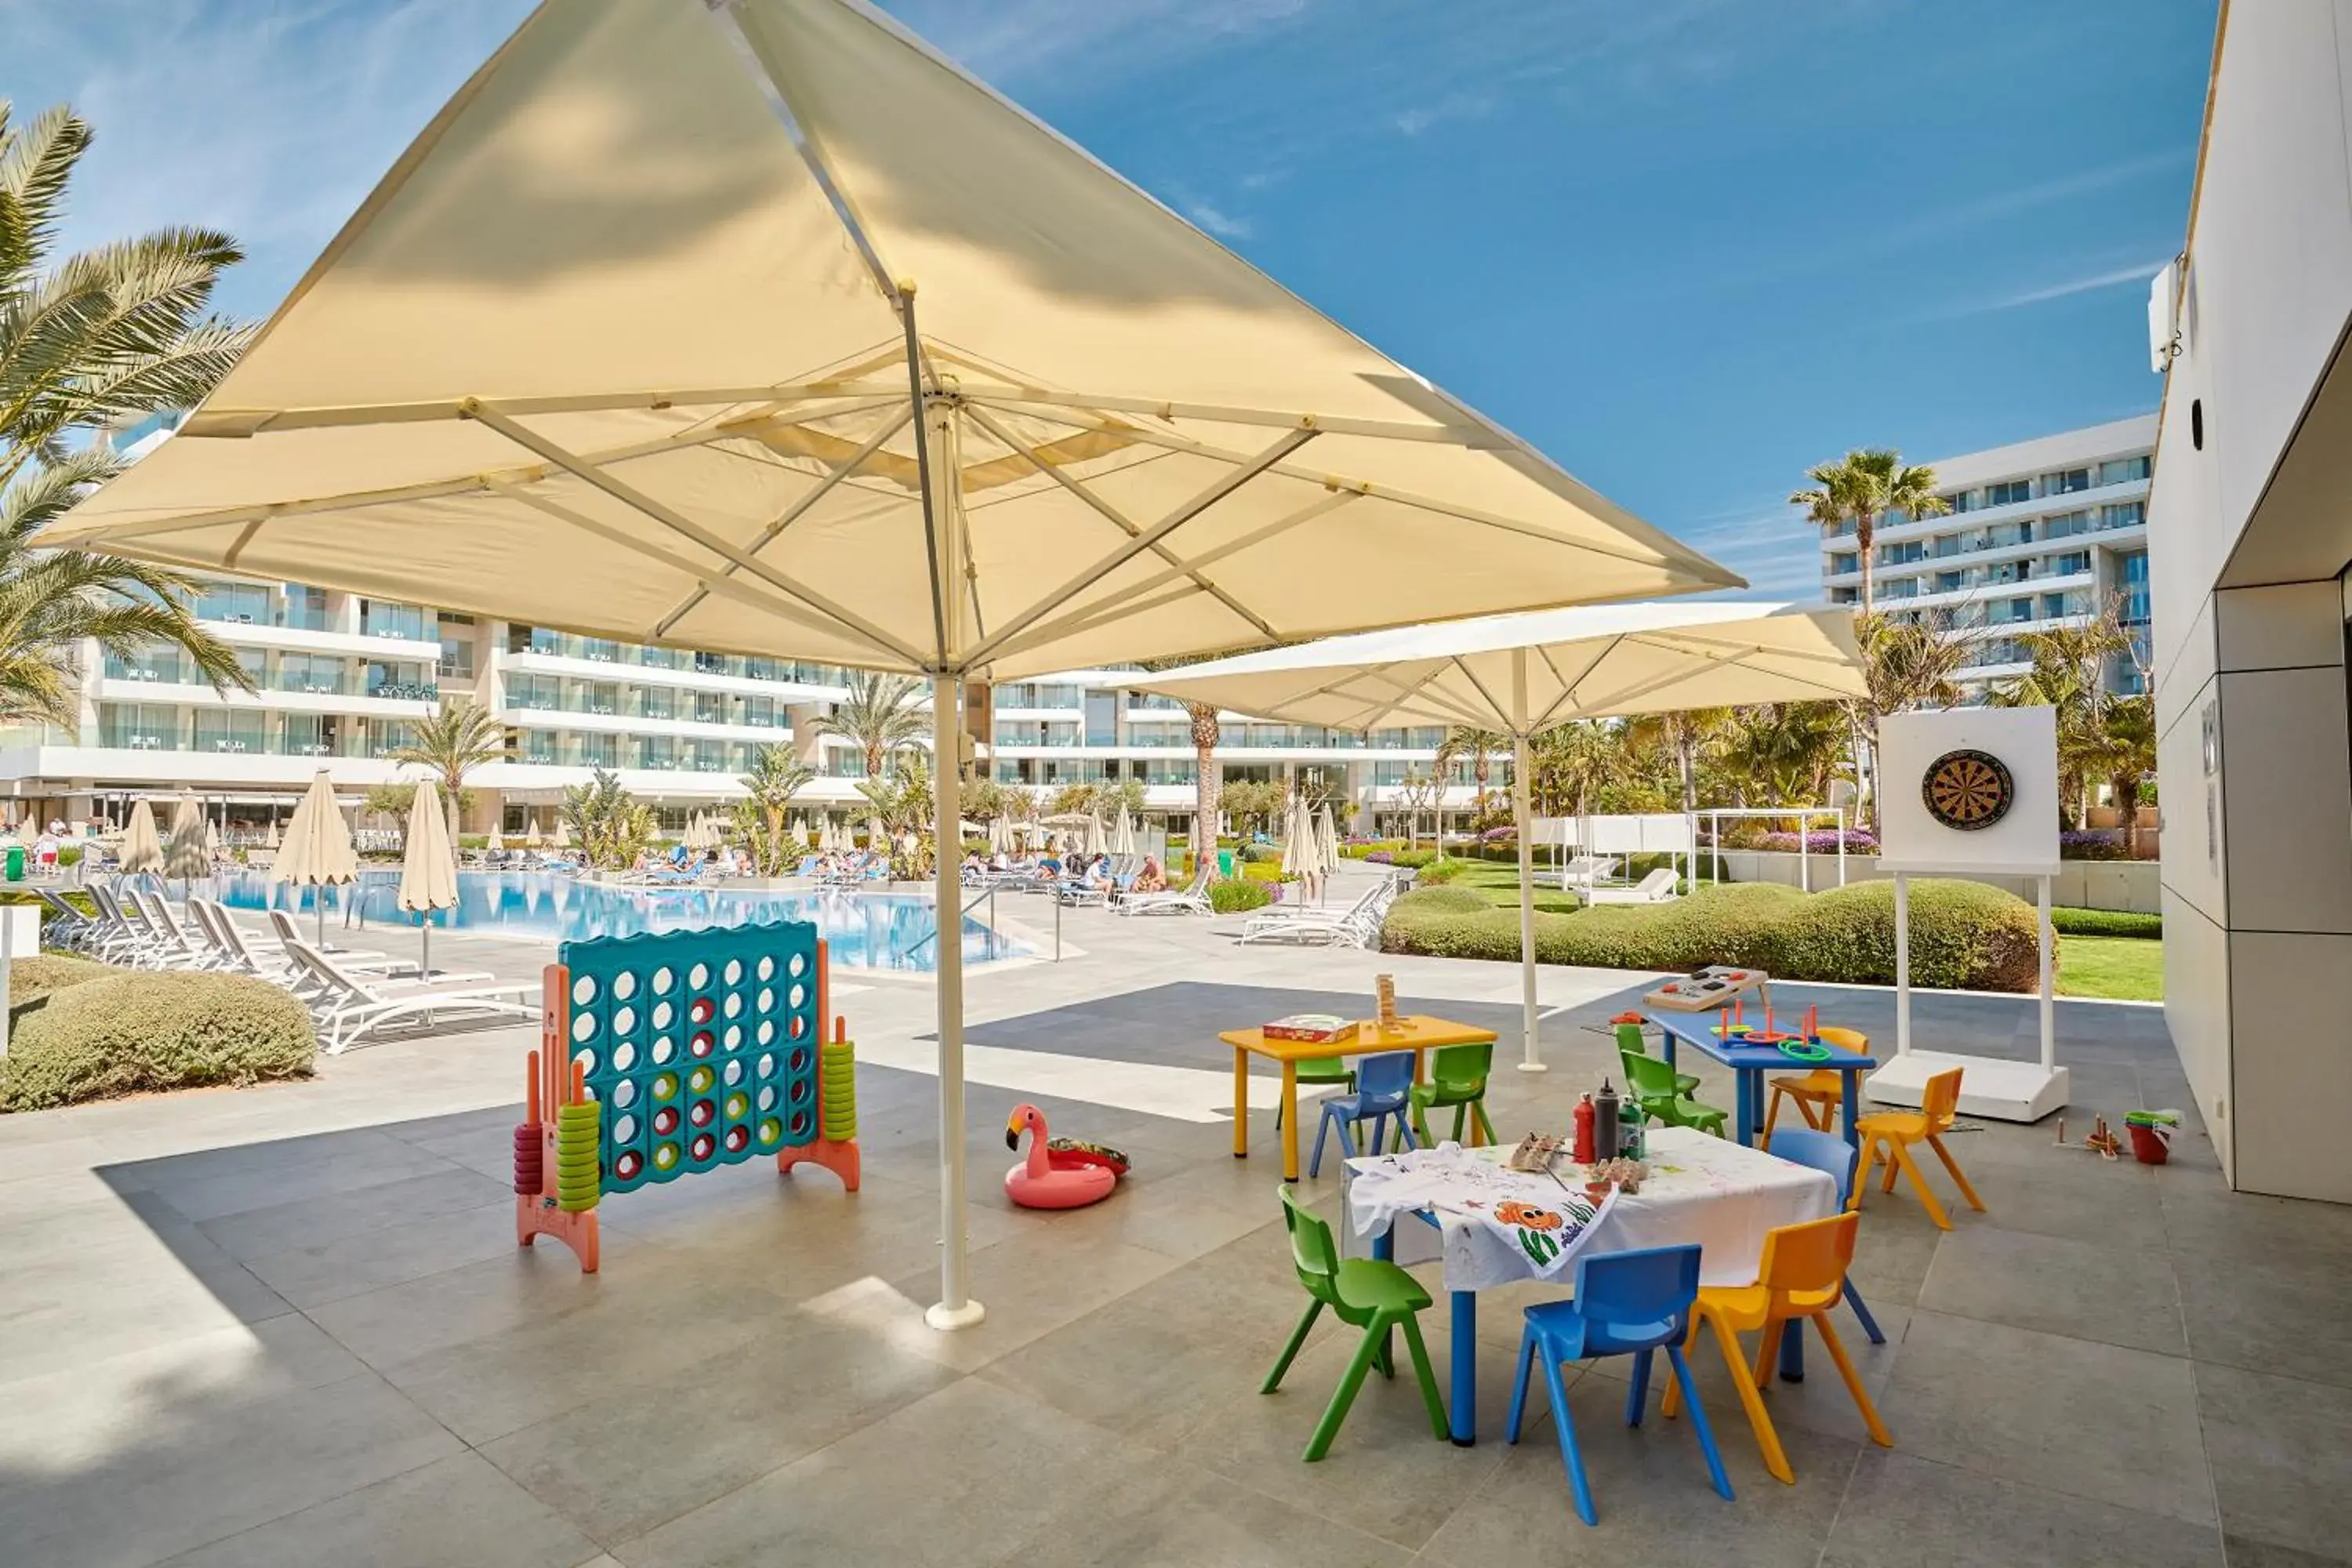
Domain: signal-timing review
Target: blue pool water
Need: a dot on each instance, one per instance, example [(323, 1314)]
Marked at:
[(866, 930)]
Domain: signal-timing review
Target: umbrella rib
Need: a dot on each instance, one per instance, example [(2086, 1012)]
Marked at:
[(726, 588), (636, 500), (1218, 414), (1567, 687), (1053, 472), (1089, 616), (1175, 442), (1606, 707), (1502, 713), (1808, 656), (1425, 689), (433, 489), (811, 155), (239, 424), (793, 512), (1225, 485)]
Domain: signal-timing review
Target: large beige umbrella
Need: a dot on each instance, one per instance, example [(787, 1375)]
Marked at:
[(497, 840), (1122, 837), (1326, 842), (318, 851), (142, 849), (533, 839), (184, 855), (1096, 844), (211, 837), (1298, 841), (562, 838), (428, 869), (271, 841), (1520, 674), (661, 375)]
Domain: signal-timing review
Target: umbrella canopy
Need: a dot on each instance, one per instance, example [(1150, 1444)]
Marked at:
[(142, 849), (1327, 841), (1096, 844), (184, 855), (212, 837), (532, 838), (665, 374), (318, 842), (496, 841), (428, 871), (1000, 836), (1520, 674), (1122, 838), (563, 840), (271, 841), (877, 840), (1297, 840)]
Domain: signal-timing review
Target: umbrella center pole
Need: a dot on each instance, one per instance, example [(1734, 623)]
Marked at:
[(943, 512)]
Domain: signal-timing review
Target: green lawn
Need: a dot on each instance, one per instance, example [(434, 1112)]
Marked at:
[(2128, 969), (1498, 881)]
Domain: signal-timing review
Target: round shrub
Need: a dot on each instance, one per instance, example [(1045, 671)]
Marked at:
[(1232, 895), (1439, 872), (31, 979), (134, 1033), (1964, 935)]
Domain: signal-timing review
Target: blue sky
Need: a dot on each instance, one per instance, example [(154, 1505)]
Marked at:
[(1687, 247)]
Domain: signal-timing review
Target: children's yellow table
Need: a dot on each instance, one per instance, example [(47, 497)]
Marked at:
[(1417, 1033)]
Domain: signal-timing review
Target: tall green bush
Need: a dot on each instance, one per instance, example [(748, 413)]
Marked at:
[(134, 1033), (1232, 895), (1964, 935)]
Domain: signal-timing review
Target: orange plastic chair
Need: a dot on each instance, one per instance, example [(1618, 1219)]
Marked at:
[(1822, 1087), (1802, 1276), (1889, 1134)]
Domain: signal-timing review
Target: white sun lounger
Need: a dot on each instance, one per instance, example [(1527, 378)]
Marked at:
[(1657, 888), (1357, 925), (178, 949), (1172, 902), (125, 936), (351, 1007), (283, 924)]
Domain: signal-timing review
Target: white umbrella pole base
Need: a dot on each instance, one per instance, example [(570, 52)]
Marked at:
[(947, 1319), (1535, 1066)]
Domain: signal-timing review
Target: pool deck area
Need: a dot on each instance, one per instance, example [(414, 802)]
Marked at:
[(291, 1325)]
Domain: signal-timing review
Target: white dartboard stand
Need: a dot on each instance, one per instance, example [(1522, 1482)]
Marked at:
[(2022, 842)]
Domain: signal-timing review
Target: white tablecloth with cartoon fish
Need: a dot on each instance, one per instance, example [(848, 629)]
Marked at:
[(1701, 1189)]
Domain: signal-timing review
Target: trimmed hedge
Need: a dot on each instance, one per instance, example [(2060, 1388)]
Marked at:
[(1964, 935), (31, 979), (136, 1033), (2106, 923), (1232, 895)]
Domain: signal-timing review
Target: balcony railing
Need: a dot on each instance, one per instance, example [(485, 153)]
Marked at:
[(404, 692)]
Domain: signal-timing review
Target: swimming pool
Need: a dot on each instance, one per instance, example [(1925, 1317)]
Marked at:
[(866, 930)]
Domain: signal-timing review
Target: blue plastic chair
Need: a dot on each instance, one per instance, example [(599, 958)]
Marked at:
[(1627, 1303), (1382, 1085), (1829, 1152)]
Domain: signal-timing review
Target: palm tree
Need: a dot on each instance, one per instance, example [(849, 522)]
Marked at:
[(1479, 746), (1206, 785), (455, 742), (1573, 763), (2131, 757), (1909, 662), (1686, 736), (1863, 487), (878, 717), (95, 337), (1789, 749), (2069, 674), (775, 777)]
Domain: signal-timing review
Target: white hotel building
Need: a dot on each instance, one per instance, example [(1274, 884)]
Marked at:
[(2041, 535), (342, 677)]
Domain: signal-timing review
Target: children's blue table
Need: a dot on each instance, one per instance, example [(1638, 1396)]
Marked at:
[(1749, 1064)]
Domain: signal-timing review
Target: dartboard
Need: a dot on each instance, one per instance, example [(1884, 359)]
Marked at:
[(1968, 790)]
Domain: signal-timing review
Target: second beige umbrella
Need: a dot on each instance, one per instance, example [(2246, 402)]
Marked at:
[(428, 871), (318, 852), (184, 855)]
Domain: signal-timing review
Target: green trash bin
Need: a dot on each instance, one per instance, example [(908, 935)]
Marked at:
[(1225, 862), (16, 862)]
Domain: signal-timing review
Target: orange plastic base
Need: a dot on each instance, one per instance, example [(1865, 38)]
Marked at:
[(841, 1159), (538, 1217)]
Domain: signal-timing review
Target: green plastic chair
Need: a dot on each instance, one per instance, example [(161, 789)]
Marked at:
[(1654, 1087), (1365, 1293), (1629, 1040), (1321, 1070), (1457, 1077)]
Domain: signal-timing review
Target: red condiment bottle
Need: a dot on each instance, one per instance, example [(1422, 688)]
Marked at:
[(1584, 1115)]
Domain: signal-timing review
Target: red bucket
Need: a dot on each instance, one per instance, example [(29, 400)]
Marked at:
[(2149, 1145)]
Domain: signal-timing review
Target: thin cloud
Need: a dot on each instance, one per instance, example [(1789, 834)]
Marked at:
[(1224, 225), (2138, 273)]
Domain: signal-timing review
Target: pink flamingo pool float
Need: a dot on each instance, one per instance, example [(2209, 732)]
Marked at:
[(1058, 1173)]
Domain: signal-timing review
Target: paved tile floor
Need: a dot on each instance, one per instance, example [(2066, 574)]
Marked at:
[(291, 1326)]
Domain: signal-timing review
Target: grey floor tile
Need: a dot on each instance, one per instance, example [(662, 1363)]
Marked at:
[(195, 1479), (1176, 1516), (2118, 1295), (2092, 1420), (980, 1452), (319, 1222), (457, 1512), (2281, 1311), (1901, 1508), (2113, 1203), (327, 1271), (2277, 1450), (1651, 1494), (636, 1457)]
